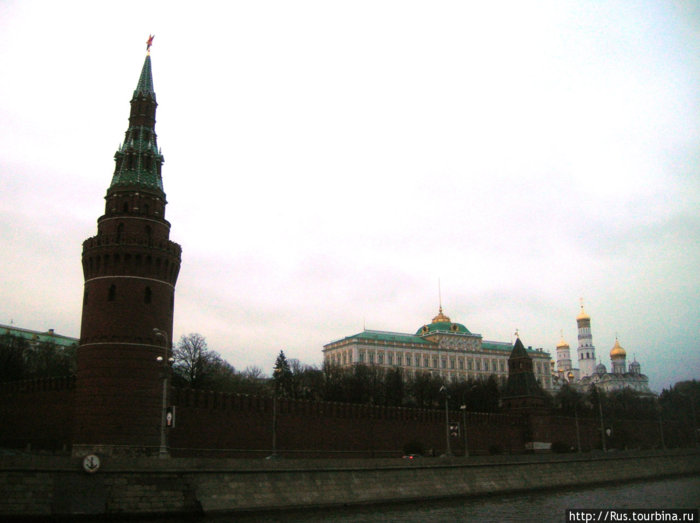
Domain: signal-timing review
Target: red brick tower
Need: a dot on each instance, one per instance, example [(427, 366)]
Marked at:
[(130, 269)]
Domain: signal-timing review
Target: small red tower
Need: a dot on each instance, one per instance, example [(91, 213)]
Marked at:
[(130, 269)]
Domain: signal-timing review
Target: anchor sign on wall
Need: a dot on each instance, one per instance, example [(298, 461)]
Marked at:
[(91, 463)]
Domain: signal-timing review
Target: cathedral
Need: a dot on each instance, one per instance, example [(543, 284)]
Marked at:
[(621, 376)]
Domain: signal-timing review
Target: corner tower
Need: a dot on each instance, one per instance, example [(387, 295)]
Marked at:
[(130, 269), (586, 350)]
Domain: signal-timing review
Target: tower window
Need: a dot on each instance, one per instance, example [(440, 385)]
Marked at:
[(147, 295), (125, 207), (120, 229), (112, 293)]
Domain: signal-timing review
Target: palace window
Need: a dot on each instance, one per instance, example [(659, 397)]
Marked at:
[(390, 358), (380, 358)]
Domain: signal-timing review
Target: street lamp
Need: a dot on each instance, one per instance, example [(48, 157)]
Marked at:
[(163, 450), (448, 452), (463, 408), (602, 425)]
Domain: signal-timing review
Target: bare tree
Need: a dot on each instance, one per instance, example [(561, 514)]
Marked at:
[(194, 362)]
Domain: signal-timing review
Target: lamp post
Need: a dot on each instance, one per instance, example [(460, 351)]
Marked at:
[(448, 452), (274, 418), (602, 425), (163, 450), (463, 408)]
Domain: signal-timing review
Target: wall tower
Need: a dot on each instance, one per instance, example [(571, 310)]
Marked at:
[(130, 269), (586, 350)]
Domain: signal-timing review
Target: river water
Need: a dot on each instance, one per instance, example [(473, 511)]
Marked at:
[(540, 506)]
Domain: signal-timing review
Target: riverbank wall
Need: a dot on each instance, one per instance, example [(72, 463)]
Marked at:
[(32, 486)]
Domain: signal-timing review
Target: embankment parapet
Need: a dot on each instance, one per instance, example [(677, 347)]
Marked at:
[(51, 487)]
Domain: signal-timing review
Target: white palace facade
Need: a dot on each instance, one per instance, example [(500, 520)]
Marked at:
[(441, 348)]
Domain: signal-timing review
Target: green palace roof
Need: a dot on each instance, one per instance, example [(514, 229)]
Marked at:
[(38, 337), (392, 337)]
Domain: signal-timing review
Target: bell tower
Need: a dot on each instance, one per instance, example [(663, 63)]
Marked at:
[(130, 269)]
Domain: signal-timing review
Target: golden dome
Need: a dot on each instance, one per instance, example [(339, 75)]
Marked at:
[(582, 315), (617, 351), (562, 343), (441, 318)]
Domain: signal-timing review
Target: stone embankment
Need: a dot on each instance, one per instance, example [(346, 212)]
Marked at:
[(33, 486)]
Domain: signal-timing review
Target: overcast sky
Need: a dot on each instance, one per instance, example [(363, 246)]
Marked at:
[(326, 163)]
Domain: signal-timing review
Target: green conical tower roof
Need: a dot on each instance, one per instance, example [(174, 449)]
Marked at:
[(145, 85), (138, 159)]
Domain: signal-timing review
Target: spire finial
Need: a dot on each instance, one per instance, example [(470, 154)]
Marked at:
[(517, 333), (149, 43)]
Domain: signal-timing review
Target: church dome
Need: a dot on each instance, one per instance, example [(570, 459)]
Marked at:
[(562, 343), (600, 369), (617, 351), (582, 315)]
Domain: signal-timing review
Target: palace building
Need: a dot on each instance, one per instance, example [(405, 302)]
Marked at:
[(441, 347)]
